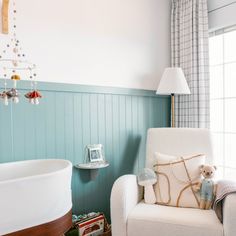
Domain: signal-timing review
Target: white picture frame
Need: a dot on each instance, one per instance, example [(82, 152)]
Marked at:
[(95, 153)]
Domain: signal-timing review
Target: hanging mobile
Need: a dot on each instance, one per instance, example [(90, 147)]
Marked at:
[(33, 97), (4, 95), (13, 59), (13, 93), (34, 94)]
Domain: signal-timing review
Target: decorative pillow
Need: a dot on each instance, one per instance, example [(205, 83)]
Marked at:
[(176, 179)]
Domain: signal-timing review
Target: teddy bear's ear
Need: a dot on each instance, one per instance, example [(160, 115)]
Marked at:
[(201, 167), (215, 167)]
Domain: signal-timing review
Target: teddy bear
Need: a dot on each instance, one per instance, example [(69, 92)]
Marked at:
[(207, 187)]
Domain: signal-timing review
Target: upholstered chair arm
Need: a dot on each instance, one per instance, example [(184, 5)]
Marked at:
[(229, 215), (125, 195)]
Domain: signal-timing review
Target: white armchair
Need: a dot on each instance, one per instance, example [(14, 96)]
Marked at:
[(130, 216)]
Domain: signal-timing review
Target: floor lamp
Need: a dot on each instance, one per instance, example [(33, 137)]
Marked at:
[(173, 82)]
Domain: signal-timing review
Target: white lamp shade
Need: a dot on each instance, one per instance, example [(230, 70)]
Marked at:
[(173, 82)]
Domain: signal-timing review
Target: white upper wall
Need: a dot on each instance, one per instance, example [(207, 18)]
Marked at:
[(123, 43), (222, 13)]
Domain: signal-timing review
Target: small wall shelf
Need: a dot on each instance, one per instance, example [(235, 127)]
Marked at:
[(93, 167)]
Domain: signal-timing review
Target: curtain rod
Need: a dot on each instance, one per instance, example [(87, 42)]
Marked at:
[(218, 8)]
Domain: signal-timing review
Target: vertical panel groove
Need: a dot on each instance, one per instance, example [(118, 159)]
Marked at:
[(82, 125), (90, 120), (12, 136)]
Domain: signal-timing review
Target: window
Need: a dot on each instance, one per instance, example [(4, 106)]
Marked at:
[(222, 48)]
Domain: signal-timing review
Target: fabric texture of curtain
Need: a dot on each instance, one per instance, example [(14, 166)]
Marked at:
[(189, 48)]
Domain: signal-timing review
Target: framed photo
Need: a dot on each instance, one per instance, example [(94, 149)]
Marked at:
[(95, 153)]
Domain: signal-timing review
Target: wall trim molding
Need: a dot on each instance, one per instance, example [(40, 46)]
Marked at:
[(79, 88)]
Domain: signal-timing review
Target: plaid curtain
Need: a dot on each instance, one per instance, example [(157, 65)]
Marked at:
[(189, 48)]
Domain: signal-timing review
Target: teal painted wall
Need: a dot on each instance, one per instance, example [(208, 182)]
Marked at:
[(71, 116)]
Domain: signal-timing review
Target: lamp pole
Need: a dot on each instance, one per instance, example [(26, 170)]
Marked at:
[(172, 110)]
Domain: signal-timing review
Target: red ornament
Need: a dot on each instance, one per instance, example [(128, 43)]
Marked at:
[(34, 94)]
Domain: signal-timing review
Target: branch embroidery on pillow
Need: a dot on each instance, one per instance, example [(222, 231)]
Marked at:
[(186, 184)]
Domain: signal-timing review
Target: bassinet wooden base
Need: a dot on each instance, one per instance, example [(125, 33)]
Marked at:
[(54, 228)]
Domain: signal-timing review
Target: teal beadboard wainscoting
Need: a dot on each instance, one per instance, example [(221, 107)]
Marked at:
[(71, 116)]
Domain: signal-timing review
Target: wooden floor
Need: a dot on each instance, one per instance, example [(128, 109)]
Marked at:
[(54, 228)]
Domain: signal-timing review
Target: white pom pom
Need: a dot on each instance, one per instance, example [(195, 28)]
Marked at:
[(5, 100), (36, 101), (31, 100), (15, 100)]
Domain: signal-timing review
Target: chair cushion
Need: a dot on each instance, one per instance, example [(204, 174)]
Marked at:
[(176, 179), (156, 220)]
